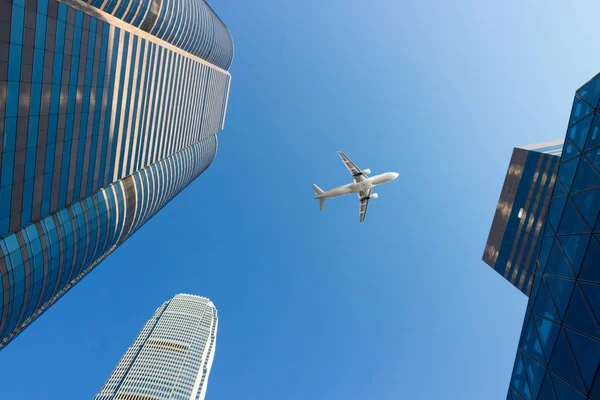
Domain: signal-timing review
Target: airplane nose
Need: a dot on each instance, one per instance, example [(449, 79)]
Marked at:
[(395, 174)]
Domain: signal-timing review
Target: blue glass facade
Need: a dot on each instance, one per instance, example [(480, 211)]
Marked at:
[(104, 117), (559, 348), (516, 232)]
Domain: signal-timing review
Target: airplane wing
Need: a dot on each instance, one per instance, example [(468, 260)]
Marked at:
[(356, 172), (363, 197)]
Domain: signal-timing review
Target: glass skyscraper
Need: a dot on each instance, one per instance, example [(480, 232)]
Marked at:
[(515, 235), (171, 357), (559, 349), (108, 109)]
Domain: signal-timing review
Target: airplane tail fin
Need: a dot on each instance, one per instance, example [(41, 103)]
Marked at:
[(318, 192)]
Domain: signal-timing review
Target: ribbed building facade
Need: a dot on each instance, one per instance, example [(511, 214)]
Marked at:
[(108, 109), (171, 357), (516, 232)]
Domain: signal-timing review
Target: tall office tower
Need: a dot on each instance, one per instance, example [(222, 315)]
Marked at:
[(515, 235), (108, 110), (171, 357), (559, 349)]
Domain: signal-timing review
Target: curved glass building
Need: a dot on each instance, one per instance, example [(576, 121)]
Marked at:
[(108, 109), (172, 355)]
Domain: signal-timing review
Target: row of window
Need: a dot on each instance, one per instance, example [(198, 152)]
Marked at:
[(515, 260), (190, 25)]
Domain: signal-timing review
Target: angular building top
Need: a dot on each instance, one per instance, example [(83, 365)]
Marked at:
[(171, 357), (515, 233)]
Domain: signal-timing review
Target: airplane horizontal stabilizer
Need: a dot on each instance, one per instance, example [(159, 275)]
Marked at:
[(319, 192)]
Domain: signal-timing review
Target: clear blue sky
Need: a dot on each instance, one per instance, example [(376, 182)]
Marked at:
[(313, 305)]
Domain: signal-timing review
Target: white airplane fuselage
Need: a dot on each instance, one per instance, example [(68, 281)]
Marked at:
[(357, 187)]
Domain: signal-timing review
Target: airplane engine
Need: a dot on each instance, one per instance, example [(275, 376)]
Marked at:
[(366, 171), (373, 196)]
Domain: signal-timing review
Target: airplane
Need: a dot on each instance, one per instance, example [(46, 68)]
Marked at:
[(362, 186)]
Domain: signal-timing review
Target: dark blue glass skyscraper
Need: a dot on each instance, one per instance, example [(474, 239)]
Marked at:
[(559, 349), (108, 109)]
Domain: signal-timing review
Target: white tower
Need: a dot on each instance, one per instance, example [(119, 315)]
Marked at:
[(171, 357)]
